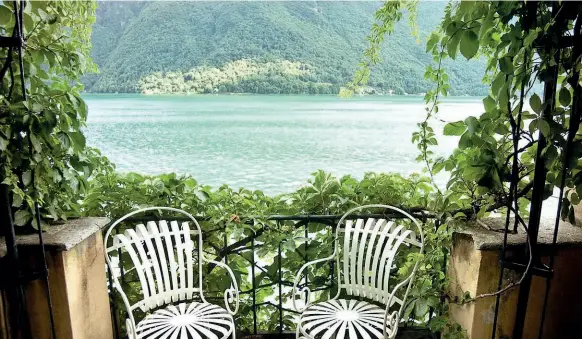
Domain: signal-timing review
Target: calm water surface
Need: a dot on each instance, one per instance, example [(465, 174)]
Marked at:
[(271, 142)]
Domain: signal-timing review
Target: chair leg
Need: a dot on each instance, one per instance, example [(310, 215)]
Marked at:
[(233, 328), (299, 335)]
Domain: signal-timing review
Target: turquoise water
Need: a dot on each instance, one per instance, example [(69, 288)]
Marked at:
[(270, 142)]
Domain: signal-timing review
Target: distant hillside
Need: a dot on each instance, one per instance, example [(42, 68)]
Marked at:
[(167, 46)]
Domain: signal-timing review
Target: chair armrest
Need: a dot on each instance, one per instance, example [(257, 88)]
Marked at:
[(306, 288), (230, 293)]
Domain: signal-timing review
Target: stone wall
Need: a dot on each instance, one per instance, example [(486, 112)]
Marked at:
[(76, 264), (475, 267)]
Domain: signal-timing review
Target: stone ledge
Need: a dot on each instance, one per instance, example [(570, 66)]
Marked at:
[(61, 237), (484, 239)]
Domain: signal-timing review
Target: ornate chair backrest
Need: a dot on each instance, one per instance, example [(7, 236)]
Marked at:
[(366, 251), (166, 255)]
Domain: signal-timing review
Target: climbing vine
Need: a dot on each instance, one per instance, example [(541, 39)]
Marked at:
[(494, 162), (43, 154)]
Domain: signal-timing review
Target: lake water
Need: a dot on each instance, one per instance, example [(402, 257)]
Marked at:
[(271, 143)]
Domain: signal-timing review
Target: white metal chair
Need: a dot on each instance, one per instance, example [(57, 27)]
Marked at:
[(164, 258), (365, 259)]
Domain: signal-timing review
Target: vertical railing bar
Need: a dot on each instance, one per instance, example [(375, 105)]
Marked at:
[(280, 280), (305, 258), (572, 131), (502, 267), (445, 266), (332, 262), (254, 306), (225, 240), (113, 300), (432, 309), (122, 274)]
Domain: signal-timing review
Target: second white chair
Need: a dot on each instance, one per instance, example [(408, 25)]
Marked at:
[(365, 253)]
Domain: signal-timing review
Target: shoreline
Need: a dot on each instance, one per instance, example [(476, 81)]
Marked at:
[(421, 95)]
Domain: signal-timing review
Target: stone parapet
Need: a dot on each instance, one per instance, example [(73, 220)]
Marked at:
[(76, 263), (475, 267)]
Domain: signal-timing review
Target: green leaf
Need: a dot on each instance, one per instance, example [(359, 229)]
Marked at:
[(438, 166), (16, 200), (472, 125), (3, 144), (453, 45), (159, 185), (421, 308), (502, 129), (535, 103), (28, 22), (469, 44), (489, 103), (64, 139), (531, 37), (22, 217), (506, 65), (35, 143), (486, 24), (574, 198), (51, 19), (565, 97), (432, 41), (27, 178), (465, 141), (544, 127), (454, 128), (78, 139), (497, 84), (503, 98), (533, 126), (6, 14)]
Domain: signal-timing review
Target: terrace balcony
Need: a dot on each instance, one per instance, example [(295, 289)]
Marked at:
[(85, 307)]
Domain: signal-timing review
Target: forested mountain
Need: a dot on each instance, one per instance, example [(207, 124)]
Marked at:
[(259, 47)]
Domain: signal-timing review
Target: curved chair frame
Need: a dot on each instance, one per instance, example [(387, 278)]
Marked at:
[(392, 319), (230, 295)]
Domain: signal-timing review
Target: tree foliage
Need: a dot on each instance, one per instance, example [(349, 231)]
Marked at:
[(44, 156), (136, 39), (240, 76), (495, 159)]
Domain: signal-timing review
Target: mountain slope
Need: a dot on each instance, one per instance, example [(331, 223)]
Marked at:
[(132, 40)]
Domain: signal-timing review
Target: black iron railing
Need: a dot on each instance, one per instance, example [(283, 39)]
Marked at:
[(250, 319)]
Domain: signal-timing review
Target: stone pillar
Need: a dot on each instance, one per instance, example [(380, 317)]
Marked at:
[(474, 268), (76, 263)]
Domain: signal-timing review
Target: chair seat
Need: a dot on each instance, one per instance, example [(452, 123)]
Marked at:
[(187, 320), (341, 319)]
